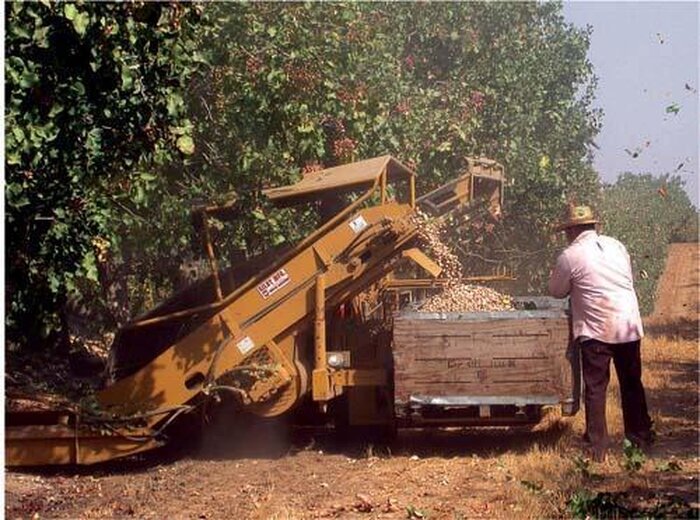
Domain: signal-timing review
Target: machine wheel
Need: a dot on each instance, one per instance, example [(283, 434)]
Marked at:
[(287, 397)]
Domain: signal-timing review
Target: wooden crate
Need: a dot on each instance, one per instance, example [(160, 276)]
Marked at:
[(511, 357)]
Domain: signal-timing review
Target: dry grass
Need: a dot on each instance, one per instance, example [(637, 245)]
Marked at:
[(284, 513), (670, 369), (669, 348)]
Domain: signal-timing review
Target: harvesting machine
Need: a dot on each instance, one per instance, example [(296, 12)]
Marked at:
[(294, 327)]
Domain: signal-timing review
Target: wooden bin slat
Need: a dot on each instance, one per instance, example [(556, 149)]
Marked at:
[(518, 353)]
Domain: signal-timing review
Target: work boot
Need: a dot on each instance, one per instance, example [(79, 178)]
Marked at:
[(644, 441)]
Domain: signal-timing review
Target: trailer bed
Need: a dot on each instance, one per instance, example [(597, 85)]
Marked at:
[(490, 363)]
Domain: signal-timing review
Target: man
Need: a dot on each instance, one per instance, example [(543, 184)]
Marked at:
[(595, 271)]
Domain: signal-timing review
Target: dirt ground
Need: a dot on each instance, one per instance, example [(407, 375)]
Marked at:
[(268, 471), (677, 299)]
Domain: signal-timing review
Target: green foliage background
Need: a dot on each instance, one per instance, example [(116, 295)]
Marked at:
[(121, 117), (647, 213), (94, 100)]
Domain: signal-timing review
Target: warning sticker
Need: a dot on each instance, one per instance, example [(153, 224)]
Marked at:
[(245, 345), (358, 223), (274, 283)]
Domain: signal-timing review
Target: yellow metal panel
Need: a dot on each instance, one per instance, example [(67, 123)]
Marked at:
[(360, 377), (423, 260), (347, 175), (321, 389), (58, 444)]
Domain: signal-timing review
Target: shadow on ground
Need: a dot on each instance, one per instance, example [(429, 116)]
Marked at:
[(680, 327), (270, 439)]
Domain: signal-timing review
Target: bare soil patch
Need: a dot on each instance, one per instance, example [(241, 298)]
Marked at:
[(677, 305)]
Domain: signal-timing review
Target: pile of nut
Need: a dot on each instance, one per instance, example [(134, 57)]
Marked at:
[(456, 296), (467, 298)]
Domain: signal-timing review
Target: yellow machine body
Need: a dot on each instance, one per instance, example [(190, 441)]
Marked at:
[(275, 339)]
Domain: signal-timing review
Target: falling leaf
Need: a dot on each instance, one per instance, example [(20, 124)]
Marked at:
[(680, 166), (688, 87), (673, 108)]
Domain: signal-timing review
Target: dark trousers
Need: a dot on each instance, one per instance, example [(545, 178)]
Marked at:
[(596, 374)]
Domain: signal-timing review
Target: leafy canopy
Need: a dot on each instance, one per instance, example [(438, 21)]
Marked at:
[(93, 91)]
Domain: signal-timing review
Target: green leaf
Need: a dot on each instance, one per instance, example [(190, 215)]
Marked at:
[(181, 130), (175, 104), (40, 37), (445, 146), (306, 128), (70, 11), (673, 108), (94, 140), (139, 194), (127, 77), (54, 283), (78, 88), (185, 144), (55, 110), (18, 133), (28, 79), (90, 267), (20, 32), (13, 158), (633, 457)]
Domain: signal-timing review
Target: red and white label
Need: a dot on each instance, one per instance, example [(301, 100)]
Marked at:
[(274, 283)]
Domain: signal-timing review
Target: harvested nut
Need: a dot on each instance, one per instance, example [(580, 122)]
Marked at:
[(456, 295), (468, 298)]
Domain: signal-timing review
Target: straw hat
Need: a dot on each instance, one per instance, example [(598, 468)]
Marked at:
[(577, 216)]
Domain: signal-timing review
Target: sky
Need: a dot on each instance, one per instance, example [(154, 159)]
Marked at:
[(644, 54)]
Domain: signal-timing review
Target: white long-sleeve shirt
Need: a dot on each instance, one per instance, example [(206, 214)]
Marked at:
[(595, 271)]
